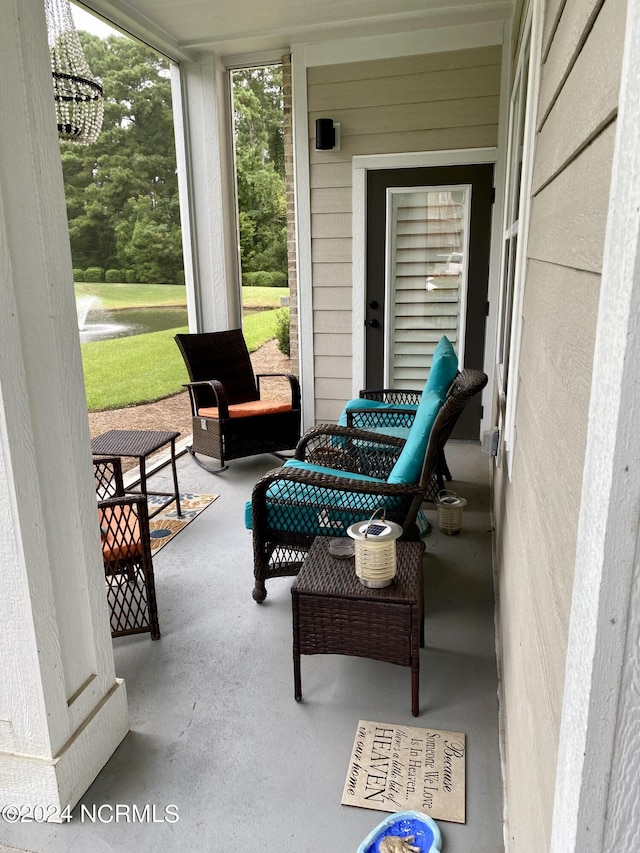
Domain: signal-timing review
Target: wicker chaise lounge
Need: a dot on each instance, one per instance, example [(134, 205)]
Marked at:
[(293, 504)]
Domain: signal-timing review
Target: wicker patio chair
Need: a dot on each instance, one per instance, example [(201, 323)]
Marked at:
[(230, 420), (391, 411), (293, 504), (395, 416), (126, 553)]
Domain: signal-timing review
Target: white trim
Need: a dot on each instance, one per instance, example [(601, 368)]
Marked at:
[(123, 17), (418, 40), (231, 232), (535, 22), (490, 412), (417, 159), (360, 166), (184, 197), (237, 61), (303, 232), (439, 29), (359, 277), (598, 775), (57, 783), (233, 243)]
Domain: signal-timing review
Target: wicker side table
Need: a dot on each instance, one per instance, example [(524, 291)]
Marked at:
[(140, 443), (334, 614)]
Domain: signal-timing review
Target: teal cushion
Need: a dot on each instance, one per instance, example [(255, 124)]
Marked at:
[(332, 472), (317, 509), (444, 367), (248, 516), (362, 403), (409, 464)]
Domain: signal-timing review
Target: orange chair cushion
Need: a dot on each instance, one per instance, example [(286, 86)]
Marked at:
[(247, 410), (119, 533)]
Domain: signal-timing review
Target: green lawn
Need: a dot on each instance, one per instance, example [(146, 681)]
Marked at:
[(263, 297), (143, 368), (114, 296)]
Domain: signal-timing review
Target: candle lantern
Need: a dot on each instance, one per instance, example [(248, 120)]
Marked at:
[(449, 506), (375, 550)]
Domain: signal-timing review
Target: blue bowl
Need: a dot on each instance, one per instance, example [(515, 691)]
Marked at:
[(423, 828)]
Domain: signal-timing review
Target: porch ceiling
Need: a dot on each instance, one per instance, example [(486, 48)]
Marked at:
[(183, 27)]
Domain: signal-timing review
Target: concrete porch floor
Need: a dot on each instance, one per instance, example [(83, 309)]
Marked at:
[(215, 730)]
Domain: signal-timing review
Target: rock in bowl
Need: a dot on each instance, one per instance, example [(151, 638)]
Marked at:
[(404, 832)]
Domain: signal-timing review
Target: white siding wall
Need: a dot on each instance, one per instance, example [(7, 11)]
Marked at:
[(537, 512), (417, 103)]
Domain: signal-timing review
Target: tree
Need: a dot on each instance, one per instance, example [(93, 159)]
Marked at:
[(259, 142), (125, 184), (122, 191)]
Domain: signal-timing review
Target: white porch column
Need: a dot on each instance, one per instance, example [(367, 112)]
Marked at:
[(62, 710), (201, 106), (598, 775)]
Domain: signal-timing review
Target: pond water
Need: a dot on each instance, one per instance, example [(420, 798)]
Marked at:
[(100, 325)]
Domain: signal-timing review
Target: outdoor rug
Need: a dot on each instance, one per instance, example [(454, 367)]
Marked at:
[(164, 526), (395, 768)]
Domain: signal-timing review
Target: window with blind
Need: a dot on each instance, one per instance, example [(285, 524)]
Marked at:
[(426, 279)]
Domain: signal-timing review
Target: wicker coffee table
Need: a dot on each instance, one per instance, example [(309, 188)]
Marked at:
[(334, 614), (141, 443)]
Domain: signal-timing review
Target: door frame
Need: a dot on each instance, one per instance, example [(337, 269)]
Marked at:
[(454, 157)]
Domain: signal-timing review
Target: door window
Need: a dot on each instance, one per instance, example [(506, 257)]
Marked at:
[(426, 278)]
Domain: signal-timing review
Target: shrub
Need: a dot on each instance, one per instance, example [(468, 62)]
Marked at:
[(283, 321), (131, 277), (265, 278), (78, 275), (257, 279), (114, 276), (94, 274), (180, 277), (279, 279)]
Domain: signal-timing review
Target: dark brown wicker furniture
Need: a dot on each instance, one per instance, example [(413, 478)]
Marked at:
[(230, 420), (126, 553), (334, 614), (140, 443), (287, 503), (395, 414)]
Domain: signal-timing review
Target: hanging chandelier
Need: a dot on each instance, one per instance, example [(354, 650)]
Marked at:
[(77, 94)]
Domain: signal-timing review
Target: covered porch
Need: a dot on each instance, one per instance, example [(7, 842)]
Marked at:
[(213, 725), (215, 729)]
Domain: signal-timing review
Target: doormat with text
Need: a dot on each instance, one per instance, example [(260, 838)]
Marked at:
[(401, 768)]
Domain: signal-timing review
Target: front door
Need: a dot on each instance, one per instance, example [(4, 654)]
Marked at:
[(428, 240)]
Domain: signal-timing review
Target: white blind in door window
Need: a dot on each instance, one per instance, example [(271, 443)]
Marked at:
[(426, 278)]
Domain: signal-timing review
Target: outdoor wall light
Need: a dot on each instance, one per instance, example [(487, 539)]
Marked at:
[(327, 134)]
